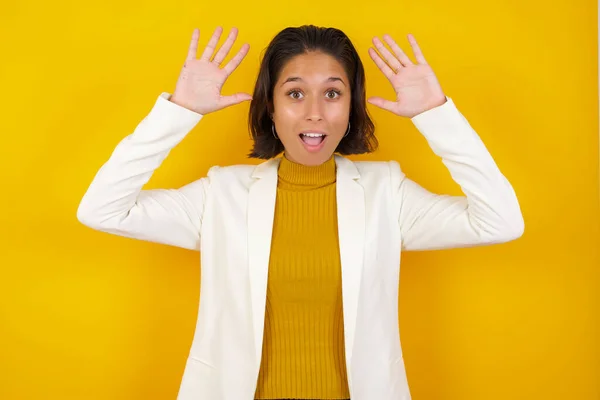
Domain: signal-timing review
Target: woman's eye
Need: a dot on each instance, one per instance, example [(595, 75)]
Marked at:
[(332, 94), (295, 94)]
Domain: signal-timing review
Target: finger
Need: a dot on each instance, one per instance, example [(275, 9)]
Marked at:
[(224, 50), (416, 49), (212, 43), (382, 103), (236, 60), (233, 99), (387, 71), (193, 50), (391, 60), (404, 59)]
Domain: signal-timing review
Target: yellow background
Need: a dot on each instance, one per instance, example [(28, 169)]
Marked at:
[(86, 315)]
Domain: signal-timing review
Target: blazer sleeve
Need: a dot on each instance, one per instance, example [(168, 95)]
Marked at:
[(489, 211), (115, 202)]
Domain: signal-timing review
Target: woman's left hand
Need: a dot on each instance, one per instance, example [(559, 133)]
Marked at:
[(417, 88)]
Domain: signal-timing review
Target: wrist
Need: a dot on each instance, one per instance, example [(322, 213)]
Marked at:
[(176, 100)]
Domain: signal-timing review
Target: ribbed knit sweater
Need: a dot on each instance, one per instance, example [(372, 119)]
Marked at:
[(303, 346)]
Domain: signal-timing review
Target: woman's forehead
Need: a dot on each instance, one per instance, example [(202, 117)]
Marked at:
[(313, 67)]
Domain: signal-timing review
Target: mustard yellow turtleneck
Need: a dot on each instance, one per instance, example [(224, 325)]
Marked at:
[(303, 347)]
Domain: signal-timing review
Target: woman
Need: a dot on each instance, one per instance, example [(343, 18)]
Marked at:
[(283, 242)]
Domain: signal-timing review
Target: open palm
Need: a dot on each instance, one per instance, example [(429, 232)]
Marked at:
[(201, 79), (416, 85)]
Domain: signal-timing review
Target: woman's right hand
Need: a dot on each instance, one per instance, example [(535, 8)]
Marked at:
[(200, 81)]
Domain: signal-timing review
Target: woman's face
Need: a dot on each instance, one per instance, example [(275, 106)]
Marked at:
[(311, 107)]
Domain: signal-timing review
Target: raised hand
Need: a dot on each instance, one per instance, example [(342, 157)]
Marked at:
[(200, 81), (416, 86)]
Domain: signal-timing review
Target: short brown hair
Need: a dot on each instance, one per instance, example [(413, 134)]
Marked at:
[(287, 44)]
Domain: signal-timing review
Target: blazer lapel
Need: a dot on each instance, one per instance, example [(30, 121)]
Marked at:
[(261, 211), (351, 232)]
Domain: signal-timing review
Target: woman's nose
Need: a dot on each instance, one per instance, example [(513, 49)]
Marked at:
[(314, 110)]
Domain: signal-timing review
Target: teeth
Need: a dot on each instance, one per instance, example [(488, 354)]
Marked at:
[(313, 134)]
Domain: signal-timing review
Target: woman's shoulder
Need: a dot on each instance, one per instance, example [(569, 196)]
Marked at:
[(243, 173), (231, 170), (377, 167), (374, 171)]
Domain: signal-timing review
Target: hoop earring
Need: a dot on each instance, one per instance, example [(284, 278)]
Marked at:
[(273, 130), (348, 131)]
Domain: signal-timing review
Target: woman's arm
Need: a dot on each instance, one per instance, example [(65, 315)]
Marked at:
[(488, 213), (115, 202)]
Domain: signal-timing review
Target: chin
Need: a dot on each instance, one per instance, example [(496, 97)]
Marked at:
[(309, 159)]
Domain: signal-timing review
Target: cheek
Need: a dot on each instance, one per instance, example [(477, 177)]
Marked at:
[(287, 120), (339, 117), (285, 113), (290, 112), (290, 120)]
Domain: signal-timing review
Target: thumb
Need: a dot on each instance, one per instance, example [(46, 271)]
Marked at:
[(382, 103), (233, 99)]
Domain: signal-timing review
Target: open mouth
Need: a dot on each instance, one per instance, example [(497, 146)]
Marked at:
[(312, 139)]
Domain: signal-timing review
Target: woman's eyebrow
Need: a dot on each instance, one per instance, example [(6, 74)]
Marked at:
[(298, 79)]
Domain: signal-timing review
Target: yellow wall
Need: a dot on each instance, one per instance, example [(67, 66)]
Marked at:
[(85, 315)]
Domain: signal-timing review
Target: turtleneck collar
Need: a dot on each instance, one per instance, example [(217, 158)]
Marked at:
[(296, 175)]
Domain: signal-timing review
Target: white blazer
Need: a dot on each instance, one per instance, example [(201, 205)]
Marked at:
[(228, 217)]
